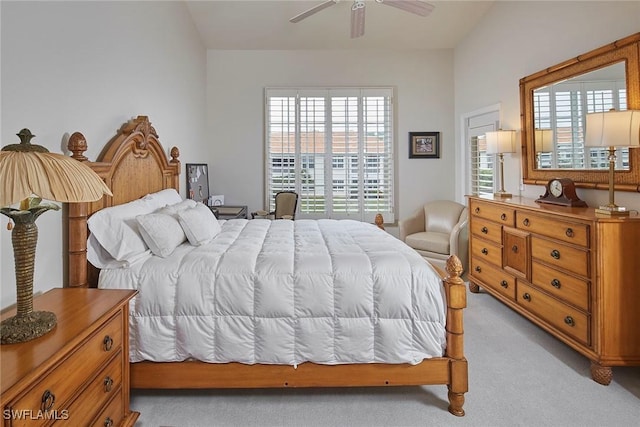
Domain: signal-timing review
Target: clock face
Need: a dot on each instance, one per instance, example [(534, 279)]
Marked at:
[(555, 188)]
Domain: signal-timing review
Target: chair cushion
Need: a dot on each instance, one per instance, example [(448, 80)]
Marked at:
[(429, 241)]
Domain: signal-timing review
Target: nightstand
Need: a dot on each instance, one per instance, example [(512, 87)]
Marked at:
[(229, 212), (79, 372)]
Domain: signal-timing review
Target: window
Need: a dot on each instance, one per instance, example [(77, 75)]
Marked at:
[(482, 169), (334, 148)]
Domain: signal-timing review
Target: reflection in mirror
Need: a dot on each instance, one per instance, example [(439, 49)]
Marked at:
[(559, 112)]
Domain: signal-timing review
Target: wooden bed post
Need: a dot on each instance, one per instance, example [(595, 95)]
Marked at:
[(456, 301)]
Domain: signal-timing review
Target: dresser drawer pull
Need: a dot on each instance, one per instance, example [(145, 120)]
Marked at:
[(107, 343), (569, 321), (478, 269), (108, 422), (526, 222), (477, 210), (555, 283), (514, 249), (504, 284), (569, 232), (484, 251), (526, 296), (484, 230), (555, 254), (48, 399), (108, 384), (503, 216)]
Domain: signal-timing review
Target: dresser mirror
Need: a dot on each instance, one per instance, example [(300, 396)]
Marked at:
[(554, 103)]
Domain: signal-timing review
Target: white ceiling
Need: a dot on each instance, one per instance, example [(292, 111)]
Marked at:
[(264, 24)]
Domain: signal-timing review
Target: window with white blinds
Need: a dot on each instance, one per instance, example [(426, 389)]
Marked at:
[(334, 148), (563, 107), (482, 170)]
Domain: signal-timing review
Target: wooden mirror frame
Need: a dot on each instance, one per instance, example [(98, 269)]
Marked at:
[(624, 50)]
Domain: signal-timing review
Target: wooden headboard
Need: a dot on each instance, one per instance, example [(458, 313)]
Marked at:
[(132, 164)]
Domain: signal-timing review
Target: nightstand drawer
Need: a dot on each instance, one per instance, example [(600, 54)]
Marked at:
[(55, 390), (112, 414), (103, 386), (563, 317)]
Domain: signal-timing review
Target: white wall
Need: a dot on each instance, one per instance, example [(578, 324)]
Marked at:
[(90, 67), (236, 80), (516, 39)]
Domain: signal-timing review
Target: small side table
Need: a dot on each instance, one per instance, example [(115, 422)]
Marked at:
[(229, 211)]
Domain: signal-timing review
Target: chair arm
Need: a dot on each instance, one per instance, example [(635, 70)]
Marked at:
[(413, 224), (459, 240)]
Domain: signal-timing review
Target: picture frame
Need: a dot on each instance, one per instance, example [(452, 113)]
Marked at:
[(424, 145), (198, 182)]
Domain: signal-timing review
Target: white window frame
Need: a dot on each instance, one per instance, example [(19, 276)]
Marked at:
[(325, 122)]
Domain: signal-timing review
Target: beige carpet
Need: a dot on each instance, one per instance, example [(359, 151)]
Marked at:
[(518, 376)]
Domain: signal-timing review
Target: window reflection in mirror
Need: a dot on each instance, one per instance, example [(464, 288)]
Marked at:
[(559, 118)]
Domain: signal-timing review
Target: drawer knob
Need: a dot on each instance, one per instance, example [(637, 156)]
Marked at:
[(503, 216), (569, 321), (514, 249), (107, 343), (477, 210), (569, 232), (108, 422), (484, 230), (526, 222), (504, 284), (555, 283), (478, 269), (48, 399), (555, 254), (108, 384), (485, 251), (526, 296)]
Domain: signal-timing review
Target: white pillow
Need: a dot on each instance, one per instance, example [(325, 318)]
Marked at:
[(161, 230), (100, 258), (117, 230), (199, 224)]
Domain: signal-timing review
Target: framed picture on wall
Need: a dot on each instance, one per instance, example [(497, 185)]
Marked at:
[(424, 145), (198, 182)]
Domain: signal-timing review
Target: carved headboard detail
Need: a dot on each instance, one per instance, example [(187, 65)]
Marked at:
[(132, 164)]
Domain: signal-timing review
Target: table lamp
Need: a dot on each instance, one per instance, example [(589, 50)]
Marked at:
[(543, 139), (28, 174), (500, 142), (612, 129)]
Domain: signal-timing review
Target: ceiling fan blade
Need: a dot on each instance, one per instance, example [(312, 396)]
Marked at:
[(357, 19), (313, 10), (418, 7)]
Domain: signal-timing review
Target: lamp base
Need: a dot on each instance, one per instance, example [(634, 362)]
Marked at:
[(27, 327), (502, 194), (612, 211)]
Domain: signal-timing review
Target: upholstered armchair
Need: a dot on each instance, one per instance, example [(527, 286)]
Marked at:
[(438, 230), (286, 204)]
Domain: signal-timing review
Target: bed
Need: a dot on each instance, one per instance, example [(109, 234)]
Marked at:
[(135, 155)]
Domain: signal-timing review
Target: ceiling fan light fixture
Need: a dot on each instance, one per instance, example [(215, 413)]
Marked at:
[(357, 19)]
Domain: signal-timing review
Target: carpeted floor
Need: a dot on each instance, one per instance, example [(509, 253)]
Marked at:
[(519, 375)]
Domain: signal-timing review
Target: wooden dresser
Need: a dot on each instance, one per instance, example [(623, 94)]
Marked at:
[(78, 374), (572, 273)]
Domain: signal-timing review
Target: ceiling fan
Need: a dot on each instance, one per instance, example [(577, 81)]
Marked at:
[(419, 7)]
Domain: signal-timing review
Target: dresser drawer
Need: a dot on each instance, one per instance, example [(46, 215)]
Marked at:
[(496, 213), (563, 317), (487, 251), (564, 286), (58, 387), (515, 253), (103, 386), (569, 232), (487, 230), (562, 256), (111, 415), (493, 278)]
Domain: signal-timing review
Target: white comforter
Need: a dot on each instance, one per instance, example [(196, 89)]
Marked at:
[(286, 292)]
